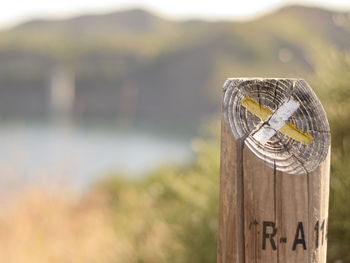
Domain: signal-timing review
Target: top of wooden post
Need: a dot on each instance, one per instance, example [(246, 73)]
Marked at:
[(280, 120)]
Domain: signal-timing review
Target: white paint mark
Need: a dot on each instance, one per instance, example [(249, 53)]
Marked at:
[(276, 121), (264, 134)]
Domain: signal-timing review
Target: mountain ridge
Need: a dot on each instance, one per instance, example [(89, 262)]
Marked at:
[(134, 20), (138, 13)]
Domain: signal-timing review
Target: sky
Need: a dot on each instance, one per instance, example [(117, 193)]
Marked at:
[(16, 11)]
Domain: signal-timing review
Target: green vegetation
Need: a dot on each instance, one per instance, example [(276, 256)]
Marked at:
[(333, 82), (171, 215)]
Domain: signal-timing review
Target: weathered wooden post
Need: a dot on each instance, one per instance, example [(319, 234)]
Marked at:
[(275, 158)]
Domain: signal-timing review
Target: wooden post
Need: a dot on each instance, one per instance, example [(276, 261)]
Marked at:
[(275, 159)]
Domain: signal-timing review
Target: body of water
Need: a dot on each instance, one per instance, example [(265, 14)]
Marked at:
[(79, 156)]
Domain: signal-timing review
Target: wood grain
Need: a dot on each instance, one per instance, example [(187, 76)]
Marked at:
[(231, 219), (268, 215), (282, 151)]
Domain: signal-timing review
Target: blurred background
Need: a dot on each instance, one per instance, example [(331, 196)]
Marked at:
[(109, 120)]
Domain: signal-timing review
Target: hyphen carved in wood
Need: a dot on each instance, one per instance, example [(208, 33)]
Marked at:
[(274, 190)]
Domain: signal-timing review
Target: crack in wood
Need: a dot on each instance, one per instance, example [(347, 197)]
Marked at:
[(271, 94), (267, 214)]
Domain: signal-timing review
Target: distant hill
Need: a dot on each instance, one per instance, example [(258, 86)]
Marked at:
[(130, 21), (136, 66)]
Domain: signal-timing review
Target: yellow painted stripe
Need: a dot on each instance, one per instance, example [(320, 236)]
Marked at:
[(291, 131), (256, 109), (288, 129)]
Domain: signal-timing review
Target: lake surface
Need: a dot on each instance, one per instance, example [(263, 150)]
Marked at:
[(79, 156)]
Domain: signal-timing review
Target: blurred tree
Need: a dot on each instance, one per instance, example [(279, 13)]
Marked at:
[(171, 215), (332, 81)]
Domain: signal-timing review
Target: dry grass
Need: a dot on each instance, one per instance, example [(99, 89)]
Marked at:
[(40, 225), (54, 228)]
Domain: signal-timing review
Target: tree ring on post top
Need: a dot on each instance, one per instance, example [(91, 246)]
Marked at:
[(281, 121)]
